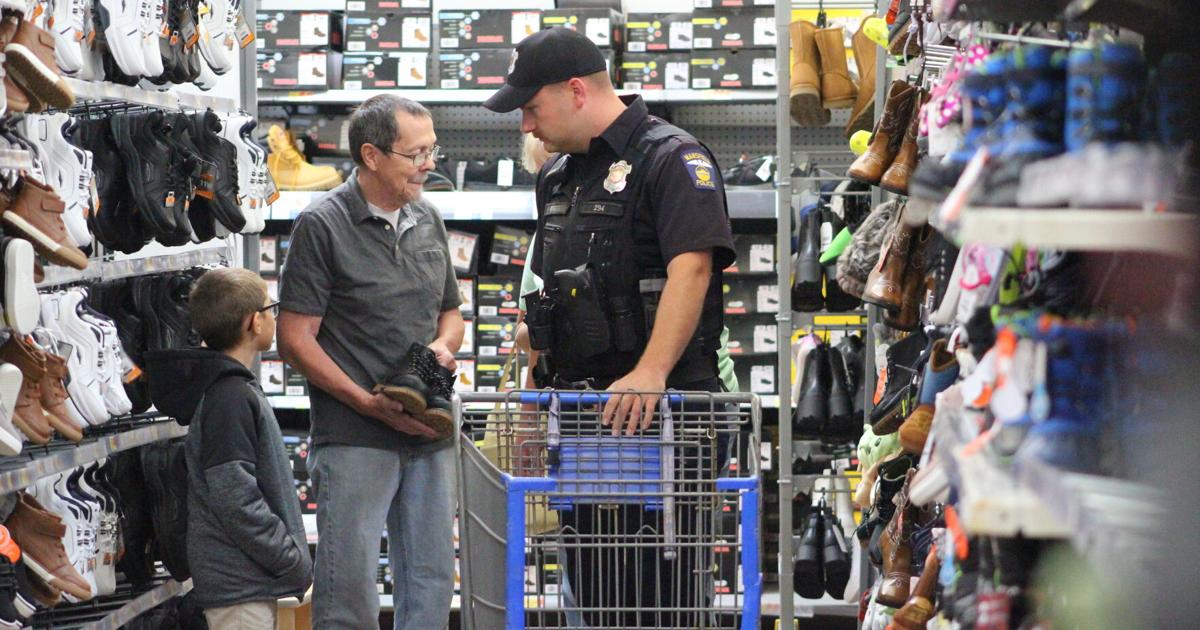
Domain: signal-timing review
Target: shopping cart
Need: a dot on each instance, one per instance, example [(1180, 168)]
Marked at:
[(564, 525)]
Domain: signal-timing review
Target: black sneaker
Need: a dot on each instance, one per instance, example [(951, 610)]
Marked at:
[(137, 528), (174, 318), (186, 170), (152, 186), (219, 185), (166, 480), (10, 559)]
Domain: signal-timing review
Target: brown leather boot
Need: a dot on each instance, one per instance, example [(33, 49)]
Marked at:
[(912, 285), (805, 91), (837, 88), (896, 545), (40, 534), (918, 610), (865, 55), (54, 398), (885, 283), (28, 415), (896, 178), (18, 101), (36, 213), (889, 134), (30, 59)]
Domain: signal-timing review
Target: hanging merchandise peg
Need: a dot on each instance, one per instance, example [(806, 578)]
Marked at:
[(111, 270)]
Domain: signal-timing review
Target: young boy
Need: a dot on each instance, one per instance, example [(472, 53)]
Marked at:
[(246, 542)]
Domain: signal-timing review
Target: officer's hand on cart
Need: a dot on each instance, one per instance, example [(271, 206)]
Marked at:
[(391, 413), (629, 410), (445, 358)]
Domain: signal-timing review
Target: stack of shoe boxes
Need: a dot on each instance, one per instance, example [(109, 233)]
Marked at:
[(388, 44), (276, 377), (463, 255), (733, 45), (657, 51), (299, 50), (751, 304)]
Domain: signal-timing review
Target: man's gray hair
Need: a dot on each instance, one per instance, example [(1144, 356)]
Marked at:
[(374, 122)]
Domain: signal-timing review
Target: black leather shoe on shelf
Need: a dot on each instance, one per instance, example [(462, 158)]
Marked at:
[(903, 364), (835, 556), (151, 180), (842, 421), (165, 471), (851, 349), (172, 309), (137, 532), (806, 284), (808, 579), (219, 176), (174, 129), (812, 411)]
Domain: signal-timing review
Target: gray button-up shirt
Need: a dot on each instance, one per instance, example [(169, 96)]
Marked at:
[(377, 290)]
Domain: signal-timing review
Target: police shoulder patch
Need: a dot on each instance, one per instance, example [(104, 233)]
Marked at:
[(700, 168)]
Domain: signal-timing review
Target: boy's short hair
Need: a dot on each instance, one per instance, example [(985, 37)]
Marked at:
[(220, 301)]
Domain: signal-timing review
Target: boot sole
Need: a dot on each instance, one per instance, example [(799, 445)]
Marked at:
[(808, 573), (440, 420), (55, 581), (37, 77), (64, 427), (843, 103), (22, 308), (50, 248), (805, 107), (861, 120), (33, 436), (413, 400)]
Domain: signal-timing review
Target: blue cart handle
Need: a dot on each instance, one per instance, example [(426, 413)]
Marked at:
[(544, 398)]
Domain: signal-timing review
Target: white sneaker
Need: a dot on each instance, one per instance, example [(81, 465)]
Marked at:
[(22, 307), (152, 23), (10, 388), (67, 170), (82, 392), (109, 370), (44, 491), (93, 61), (207, 79), (80, 511), (124, 35), (67, 16), (232, 130), (86, 340), (217, 34), (106, 532)]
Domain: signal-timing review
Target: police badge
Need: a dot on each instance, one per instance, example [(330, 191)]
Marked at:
[(615, 182)]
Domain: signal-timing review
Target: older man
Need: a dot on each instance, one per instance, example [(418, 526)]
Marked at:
[(367, 274)]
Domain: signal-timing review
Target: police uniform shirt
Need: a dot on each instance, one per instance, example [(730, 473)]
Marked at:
[(681, 207)]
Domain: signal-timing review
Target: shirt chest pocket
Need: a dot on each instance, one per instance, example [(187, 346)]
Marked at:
[(424, 272)]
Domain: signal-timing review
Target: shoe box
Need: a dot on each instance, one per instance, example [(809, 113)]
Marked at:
[(272, 377), (306, 496), (304, 30), (750, 294), (467, 349), (655, 71), (488, 372), (385, 71), (486, 68), (756, 374), (733, 69), (487, 28), (656, 32), (294, 383), (287, 69), (712, 4), (510, 249), (463, 246), (755, 254), (377, 6), (295, 443), (466, 288), (496, 296), (752, 334), (268, 256), (495, 336), (464, 380), (388, 32), (733, 28), (603, 26)]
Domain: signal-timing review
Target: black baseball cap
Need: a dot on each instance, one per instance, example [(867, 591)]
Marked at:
[(544, 58)]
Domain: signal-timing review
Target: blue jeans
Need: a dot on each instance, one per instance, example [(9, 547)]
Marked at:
[(358, 491)]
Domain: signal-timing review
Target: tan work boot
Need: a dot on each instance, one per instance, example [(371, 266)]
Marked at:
[(885, 284), (40, 534), (837, 88), (28, 416), (865, 56), (896, 178), (30, 58), (290, 170), (54, 398), (888, 136), (805, 94)]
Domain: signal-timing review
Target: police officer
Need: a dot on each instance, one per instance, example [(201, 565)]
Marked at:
[(633, 233)]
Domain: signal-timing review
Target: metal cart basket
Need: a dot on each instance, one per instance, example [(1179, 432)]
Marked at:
[(564, 525)]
